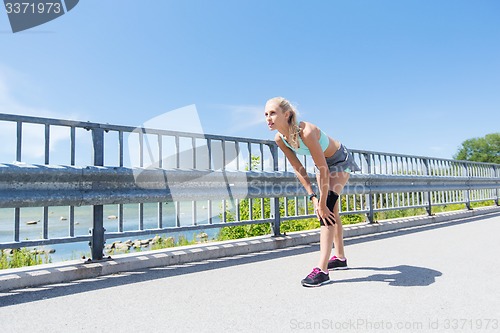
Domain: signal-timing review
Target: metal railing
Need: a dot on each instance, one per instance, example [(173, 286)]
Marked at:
[(197, 181)]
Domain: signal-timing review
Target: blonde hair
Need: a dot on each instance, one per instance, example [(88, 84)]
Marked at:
[(293, 126)]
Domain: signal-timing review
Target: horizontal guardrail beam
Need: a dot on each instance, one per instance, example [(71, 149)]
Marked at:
[(36, 185), (41, 185), (375, 183)]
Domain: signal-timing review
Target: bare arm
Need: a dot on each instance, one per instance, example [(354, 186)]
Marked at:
[(299, 169), (310, 137)]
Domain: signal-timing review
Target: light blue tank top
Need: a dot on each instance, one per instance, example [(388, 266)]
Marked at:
[(324, 141)]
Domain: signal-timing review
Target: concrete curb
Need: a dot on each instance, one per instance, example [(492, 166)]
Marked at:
[(75, 270)]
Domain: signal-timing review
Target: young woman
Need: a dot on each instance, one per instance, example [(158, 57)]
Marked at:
[(333, 165)]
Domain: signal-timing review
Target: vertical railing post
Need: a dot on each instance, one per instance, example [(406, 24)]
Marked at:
[(19, 141), (370, 215), (97, 231), (47, 144), (497, 175), (466, 192), (275, 202), (428, 195)]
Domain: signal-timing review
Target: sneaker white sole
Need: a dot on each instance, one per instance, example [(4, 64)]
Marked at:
[(338, 269), (316, 285)]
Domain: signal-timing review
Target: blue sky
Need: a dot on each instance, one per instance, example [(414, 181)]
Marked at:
[(412, 77)]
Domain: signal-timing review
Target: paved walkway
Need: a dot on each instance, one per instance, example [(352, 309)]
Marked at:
[(435, 278)]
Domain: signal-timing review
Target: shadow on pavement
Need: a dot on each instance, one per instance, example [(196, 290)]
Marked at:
[(403, 276)]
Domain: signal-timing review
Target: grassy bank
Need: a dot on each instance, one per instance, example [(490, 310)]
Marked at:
[(13, 258)]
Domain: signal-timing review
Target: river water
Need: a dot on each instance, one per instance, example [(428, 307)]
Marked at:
[(59, 224)]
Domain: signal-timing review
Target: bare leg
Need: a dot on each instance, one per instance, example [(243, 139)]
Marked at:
[(325, 246), (330, 235)]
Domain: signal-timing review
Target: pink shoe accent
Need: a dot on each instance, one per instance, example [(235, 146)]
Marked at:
[(314, 272)]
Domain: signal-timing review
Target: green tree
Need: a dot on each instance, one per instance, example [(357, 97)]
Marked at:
[(485, 149)]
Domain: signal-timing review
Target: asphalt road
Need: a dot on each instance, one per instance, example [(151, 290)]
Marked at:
[(437, 278)]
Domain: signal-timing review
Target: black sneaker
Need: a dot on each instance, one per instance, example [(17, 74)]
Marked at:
[(316, 278), (335, 263)]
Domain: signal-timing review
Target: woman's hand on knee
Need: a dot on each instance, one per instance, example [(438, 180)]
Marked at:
[(325, 214)]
